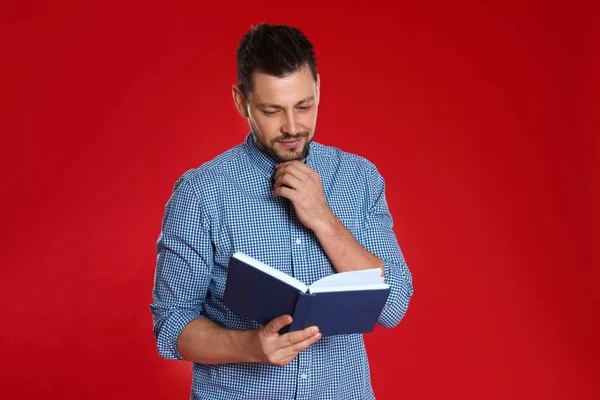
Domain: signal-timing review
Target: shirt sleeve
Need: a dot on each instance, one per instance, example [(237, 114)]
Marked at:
[(380, 240), (183, 266)]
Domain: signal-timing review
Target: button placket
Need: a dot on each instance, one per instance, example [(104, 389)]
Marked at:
[(304, 365)]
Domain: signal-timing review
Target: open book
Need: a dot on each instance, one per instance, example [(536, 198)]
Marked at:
[(354, 280), (347, 302)]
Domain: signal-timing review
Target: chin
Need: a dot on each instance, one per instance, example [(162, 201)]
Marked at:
[(283, 154), (287, 156), (297, 154)]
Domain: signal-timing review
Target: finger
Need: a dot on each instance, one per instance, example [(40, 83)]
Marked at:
[(276, 324), (283, 191), (291, 338), (288, 180), (296, 348), (302, 166), (299, 170), (283, 163), (289, 169)]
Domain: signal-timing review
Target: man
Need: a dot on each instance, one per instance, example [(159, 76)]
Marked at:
[(307, 209)]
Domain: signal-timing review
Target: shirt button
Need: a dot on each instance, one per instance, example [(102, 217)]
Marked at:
[(304, 376), (298, 241)]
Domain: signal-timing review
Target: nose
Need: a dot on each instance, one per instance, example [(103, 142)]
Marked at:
[(290, 125)]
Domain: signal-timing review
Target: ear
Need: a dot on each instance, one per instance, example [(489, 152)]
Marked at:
[(240, 101), (318, 88)]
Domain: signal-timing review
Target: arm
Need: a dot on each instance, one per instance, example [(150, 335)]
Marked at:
[(342, 249), (183, 267), (183, 270), (205, 342), (376, 248), (378, 238), (302, 186)]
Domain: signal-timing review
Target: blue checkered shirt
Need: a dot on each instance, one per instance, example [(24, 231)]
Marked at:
[(227, 205)]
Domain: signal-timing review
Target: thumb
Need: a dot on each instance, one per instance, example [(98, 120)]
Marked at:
[(276, 324)]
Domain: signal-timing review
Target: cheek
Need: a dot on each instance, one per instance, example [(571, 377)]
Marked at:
[(309, 119), (267, 127)]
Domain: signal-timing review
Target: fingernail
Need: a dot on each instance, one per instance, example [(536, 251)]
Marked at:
[(315, 329)]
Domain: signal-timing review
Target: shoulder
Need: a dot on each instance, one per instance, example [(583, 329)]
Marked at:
[(344, 161), (209, 176)]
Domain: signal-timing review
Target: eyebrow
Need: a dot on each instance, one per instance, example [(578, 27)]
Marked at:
[(271, 105)]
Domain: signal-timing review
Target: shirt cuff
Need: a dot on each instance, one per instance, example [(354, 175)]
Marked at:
[(169, 334), (400, 294)]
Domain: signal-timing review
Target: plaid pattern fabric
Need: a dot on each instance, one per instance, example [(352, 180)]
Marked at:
[(227, 205)]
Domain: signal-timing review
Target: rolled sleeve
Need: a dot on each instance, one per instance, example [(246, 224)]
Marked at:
[(380, 240), (183, 267)]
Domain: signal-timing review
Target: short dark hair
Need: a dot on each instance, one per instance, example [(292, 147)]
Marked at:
[(277, 50)]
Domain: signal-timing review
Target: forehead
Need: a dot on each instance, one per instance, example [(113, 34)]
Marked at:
[(285, 90)]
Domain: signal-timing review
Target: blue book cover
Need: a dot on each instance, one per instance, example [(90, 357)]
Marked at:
[(343, 303)]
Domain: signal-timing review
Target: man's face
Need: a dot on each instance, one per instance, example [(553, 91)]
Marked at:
[(282, 113)]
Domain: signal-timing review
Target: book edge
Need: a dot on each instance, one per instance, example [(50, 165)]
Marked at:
[(282, 276)]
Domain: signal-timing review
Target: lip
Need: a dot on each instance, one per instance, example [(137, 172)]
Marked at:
[(290, 143)]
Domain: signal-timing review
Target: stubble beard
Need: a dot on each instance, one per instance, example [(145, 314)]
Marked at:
[(292, 154)]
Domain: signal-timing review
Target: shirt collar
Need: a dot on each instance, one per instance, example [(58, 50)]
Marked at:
[(264, 163)]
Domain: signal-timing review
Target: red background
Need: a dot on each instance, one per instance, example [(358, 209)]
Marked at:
[(483, 119)]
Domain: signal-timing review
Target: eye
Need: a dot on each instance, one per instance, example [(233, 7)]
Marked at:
[(269, 112), (304, 108)]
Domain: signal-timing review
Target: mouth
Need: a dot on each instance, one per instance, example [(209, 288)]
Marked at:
[(290, 144)]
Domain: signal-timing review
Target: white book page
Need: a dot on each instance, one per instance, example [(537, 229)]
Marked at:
[(324, 289), (282, 276), (366, 281), (353, 278)]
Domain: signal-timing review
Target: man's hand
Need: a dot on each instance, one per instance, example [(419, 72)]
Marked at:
[(279, 350), (302, 185)]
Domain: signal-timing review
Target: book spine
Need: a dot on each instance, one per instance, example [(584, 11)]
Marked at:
[(302, 311)]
